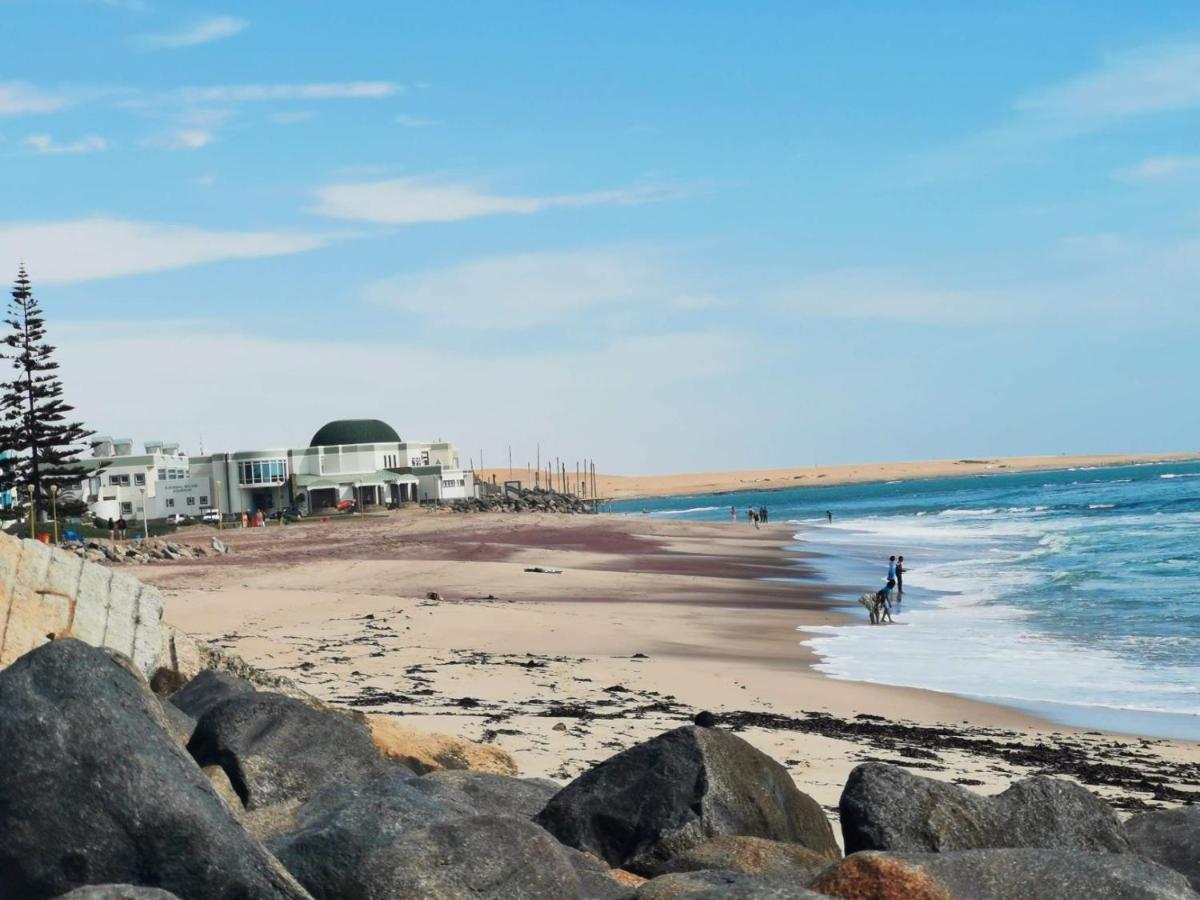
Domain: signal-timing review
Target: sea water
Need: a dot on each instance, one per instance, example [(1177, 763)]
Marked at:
[(1074, 594)]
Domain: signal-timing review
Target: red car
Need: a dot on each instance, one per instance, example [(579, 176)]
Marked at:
[(345, 505)]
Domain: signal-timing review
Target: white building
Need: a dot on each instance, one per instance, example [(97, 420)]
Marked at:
[(359, 460)]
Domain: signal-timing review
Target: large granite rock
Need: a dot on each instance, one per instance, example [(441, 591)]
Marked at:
[(667, 795), (773, 860), (886, 807), (94, 790), (1170, 837), (489, 794), (206, 690), (50, 593), (717, 885), (277, 749), (1001, 874), (427, 751), (117, 892)]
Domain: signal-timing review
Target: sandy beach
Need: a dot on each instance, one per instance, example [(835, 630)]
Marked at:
[(618, 487), (638, 625)]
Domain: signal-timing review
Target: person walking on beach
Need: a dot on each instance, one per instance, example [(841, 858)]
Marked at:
[(762, 514), (733, 514), (891, 570), (754, 517), (829, 515), (885, 606), (121, 526), (899, 578)]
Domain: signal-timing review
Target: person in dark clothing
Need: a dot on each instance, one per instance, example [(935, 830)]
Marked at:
[(112, 529), (829, 515), (899, 578), (762, 514)]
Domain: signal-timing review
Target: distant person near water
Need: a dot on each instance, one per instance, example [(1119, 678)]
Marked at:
[(899, 578), (829, 516), (754, 517), (733, 513), (762, 514)]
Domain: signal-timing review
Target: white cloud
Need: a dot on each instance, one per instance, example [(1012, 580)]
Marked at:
[(887, 295), (656, 386), (17, 98), (414, 121), (404, 201), (256, 93), (291, 117), (203, 32), (44, 143), (188, 139), (1150, 80), (88, 249), (1161, 169), (530, 289)]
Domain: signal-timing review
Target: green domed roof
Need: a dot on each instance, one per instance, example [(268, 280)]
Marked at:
[(354, 431)]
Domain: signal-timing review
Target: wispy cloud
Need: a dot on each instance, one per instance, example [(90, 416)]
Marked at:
[(530, 289), (1150, 80), (414, 122), (1161, 169), (44, 143), (403, 201), (19, 98), (206, 31), (291, 117), (255, 93), (185, 139), (94, 248)]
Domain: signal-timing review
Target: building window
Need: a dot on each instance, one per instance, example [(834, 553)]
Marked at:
[(126, 509), (118, 480), (171, 502), (191, 501), (263, 471), (204, 501), (139, 478)]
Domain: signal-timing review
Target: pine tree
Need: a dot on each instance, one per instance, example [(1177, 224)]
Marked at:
[(44, 446)]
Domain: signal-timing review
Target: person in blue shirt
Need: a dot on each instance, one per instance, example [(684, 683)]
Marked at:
[(891, 568)]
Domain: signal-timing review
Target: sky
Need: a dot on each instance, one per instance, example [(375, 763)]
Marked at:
[(677, 236)]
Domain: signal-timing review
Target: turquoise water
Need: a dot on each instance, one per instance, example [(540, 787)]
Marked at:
[(1075, 594)]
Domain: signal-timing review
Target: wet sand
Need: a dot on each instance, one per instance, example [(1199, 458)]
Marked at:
[(434, 616)]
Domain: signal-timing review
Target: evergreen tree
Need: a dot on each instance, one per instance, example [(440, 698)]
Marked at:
[(43, 445)]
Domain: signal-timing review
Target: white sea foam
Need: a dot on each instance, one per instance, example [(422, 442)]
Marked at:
[(1101, 505), (686, 512)]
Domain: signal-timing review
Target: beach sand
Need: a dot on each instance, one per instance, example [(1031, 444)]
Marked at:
[(617, 487), (647, 623)]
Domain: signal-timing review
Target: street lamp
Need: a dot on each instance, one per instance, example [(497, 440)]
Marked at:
[(54, 510), (218, 497), (32, 512)]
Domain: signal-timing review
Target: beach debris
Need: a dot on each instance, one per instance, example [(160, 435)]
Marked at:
[(96, 789), (1170, 837), (885, 807), (628, 814), (276, 748), (1000, 874), (423, 751), (542, 571)]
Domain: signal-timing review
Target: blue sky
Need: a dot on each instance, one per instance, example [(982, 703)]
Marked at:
[(667, 236)]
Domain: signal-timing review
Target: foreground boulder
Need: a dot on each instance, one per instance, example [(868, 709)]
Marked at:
[(1001, 875), (714, 885), (49, 593), (488, 794), (773, 860), (277, 749), (662, 797), (1170, 837), (206, 690), (93, 789), (432, 752), (886, 807), (117, 892)]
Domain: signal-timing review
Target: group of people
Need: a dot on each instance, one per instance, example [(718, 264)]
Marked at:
[(879, 603), (117, 528), (756, 516)]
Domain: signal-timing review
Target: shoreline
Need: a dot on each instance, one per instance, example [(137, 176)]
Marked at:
[(644, 487), (649, 622)]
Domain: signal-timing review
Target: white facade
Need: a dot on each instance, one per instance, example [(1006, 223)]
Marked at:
[(164, 481)]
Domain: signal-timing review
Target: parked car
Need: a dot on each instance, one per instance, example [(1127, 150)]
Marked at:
[(346, 505), (292, 512), (210, 514)]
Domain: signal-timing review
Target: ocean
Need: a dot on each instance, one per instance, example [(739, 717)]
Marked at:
[(1073, 594)]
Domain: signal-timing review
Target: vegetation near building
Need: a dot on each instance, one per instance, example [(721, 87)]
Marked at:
[(35, 426)]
